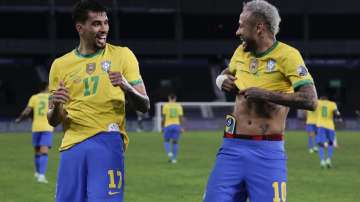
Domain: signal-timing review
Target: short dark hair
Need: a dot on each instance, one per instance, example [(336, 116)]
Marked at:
[(172, 96), (81, 9)]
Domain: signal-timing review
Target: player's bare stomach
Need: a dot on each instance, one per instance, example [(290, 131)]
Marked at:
[(259, 117)]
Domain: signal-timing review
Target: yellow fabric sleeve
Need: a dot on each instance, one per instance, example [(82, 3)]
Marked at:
[(131, 68), (295, 70)]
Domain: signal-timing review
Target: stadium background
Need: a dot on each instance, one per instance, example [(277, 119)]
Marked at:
[(181, 46)]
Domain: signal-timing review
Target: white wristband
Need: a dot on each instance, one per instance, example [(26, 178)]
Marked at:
[(220, 80)]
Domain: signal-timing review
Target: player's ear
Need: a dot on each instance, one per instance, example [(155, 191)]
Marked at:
[(260, 27), (79, 27)]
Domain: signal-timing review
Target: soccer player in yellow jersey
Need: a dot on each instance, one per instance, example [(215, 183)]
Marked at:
[(326, 129), (171, 124), (311, 118), (88, 88), (267, 77), (42, 132)]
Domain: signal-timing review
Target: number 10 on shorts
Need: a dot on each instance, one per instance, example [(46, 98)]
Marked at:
[(277, 192), (112, 184)]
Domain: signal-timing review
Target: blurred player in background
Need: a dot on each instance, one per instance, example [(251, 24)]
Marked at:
[(171, 124), (88, 87), (325, 137), (42, 132), (267, 77), (311, 118)]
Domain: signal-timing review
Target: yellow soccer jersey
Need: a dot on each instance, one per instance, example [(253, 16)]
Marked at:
[(326, 114), (95, 105), (39, 104), (311, 116), (172, 112), (281, 69)]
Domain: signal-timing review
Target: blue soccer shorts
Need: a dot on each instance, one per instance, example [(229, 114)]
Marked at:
[(311, 128), (254, 169), (325, 135), (42, 138), (93, 170), (172, 132)]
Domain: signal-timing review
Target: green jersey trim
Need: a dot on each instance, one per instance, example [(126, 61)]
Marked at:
[(259, 55), (77, 53), (298, 84), (136, 82)]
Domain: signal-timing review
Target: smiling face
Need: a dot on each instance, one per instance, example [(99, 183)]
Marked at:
[(247, 31), (94, 30)]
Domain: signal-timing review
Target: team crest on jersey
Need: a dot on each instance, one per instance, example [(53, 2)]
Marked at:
[(302, 71), (90, 68), (105, 65), (253, 67), (270, 66)]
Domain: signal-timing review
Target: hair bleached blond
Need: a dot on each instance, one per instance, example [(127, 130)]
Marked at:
[(265, 11)]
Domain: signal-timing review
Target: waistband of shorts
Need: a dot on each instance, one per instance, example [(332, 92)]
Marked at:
[(236, 143), (272, 137)]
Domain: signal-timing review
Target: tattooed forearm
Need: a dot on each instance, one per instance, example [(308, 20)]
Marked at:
[(304, 98)]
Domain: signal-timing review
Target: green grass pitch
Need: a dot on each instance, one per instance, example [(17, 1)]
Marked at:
[(150, 178)]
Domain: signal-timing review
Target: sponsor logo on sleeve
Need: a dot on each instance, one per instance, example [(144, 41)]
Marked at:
[(302, 71)]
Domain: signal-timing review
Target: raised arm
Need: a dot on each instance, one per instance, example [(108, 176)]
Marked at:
[(56, 113), (136, 94)]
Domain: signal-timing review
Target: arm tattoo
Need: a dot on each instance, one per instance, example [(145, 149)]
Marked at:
[(304, 98)]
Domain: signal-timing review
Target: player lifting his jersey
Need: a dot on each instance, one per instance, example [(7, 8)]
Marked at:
[(268, 77)]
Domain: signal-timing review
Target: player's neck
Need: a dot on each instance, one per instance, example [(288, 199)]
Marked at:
[(265, 44), (86, 49)]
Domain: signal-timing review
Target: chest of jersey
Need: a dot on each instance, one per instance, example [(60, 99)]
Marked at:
[(88, 79), (262, 73)]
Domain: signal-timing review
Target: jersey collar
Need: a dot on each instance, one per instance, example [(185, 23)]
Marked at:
[(258, 55), (77, 53)]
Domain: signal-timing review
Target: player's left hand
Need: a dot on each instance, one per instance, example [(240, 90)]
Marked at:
[(117, 79), (254, 93)]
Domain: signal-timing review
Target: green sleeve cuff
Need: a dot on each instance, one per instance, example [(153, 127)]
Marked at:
[(298, 84), (136, 82)]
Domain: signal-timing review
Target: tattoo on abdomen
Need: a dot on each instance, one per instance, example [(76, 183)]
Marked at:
[(264, 128), (265, 109)]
